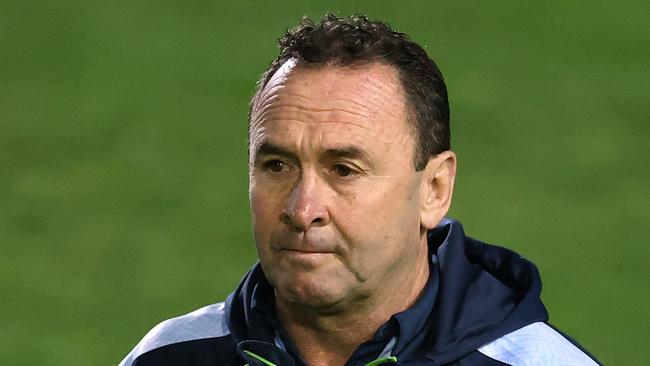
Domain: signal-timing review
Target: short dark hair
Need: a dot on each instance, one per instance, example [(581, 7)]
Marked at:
[(345, 41)]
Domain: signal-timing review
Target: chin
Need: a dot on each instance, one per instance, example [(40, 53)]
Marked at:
[(309, 294)]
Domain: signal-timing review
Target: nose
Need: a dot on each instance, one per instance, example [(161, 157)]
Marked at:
[(306, 206)]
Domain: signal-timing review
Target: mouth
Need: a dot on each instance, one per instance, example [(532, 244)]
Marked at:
[(308, 246), (307, 257), (305, 251)]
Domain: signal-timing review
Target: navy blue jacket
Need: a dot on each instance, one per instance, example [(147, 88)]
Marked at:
[(481, 306)]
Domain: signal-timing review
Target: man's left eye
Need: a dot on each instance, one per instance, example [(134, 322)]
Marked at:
[(343, 170)]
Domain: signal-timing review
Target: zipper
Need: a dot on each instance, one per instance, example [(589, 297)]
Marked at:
[(377, 362), (259, 358)]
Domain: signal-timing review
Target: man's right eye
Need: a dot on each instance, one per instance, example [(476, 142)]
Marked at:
[(275, 166)]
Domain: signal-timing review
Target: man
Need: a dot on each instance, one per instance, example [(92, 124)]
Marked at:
[(350, 178)]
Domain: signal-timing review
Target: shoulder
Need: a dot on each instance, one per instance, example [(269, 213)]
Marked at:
[(206, 322), (536, 344)]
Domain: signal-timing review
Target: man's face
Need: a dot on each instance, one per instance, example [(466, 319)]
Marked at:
[(335, 199)]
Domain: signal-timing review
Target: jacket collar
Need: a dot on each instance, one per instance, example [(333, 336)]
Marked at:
[(485, 292)]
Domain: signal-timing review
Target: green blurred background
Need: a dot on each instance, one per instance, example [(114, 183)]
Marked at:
[(123, 188)]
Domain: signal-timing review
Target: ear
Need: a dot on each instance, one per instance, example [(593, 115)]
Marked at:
[(437, 188)]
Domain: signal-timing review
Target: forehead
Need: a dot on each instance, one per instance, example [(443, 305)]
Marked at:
[(359, 97)]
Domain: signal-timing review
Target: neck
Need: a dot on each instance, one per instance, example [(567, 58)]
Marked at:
[(326, 337)]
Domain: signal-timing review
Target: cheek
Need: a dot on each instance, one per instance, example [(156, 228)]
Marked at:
[(263, 212), (382, 217), (263, 226), (384, 202)]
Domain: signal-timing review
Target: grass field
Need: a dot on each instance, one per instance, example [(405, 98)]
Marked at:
[(123, 188)]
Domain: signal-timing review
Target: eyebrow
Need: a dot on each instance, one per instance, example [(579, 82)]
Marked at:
[(349, 152), (269, 148)]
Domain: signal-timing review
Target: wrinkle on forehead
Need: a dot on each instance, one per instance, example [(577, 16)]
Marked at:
[(289, 99), (282, 90), (290, 112)]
